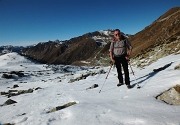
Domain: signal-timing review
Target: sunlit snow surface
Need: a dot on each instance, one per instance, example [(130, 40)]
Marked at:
[(113, 106)]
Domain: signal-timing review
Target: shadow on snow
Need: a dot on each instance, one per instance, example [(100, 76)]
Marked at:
[(151, 75), (145, 77)]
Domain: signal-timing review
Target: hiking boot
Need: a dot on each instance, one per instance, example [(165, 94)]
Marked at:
[(119, 84), (129, 86)]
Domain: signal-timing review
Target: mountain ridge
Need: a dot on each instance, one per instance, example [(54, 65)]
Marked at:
[(92, 48), (160, 38)]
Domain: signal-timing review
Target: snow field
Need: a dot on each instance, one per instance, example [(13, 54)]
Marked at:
[(113, 106)]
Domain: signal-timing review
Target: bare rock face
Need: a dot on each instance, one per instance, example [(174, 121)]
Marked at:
[(8, 124), (11, 93), (9, 102), (171, 96), (7, 76), (93, 86), (177, 67), (84, 76), (177, 88), (61, 107), (12, 73)]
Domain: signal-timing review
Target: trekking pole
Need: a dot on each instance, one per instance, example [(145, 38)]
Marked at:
[(106, 78), (138, 87)]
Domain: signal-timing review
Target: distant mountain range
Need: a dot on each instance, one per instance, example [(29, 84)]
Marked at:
[(70, 51), (157, 40), (9, 48)]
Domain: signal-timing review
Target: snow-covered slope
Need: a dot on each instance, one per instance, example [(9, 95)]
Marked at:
[(113, 106)]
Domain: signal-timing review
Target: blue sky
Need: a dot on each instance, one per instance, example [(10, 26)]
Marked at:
[(27, 22)]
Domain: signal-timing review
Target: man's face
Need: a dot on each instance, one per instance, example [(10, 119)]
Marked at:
[(117, 34)]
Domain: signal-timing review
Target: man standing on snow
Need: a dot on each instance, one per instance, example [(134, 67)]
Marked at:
[(120, 56)]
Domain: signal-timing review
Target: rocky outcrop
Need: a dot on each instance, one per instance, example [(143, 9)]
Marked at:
[(8, 124), (177, 67), (9, 102), (12, 74), (61, 107), (84, 76), (15, 86), (19, 92), (11, 93), (93, 86), (6, 76), (171, 96)]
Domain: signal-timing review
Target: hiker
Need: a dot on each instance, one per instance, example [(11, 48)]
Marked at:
[(120, 56)]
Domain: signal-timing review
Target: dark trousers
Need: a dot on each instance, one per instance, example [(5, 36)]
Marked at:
[(122, 61)]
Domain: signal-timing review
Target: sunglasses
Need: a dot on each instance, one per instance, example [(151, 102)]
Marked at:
[(117, 34)]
